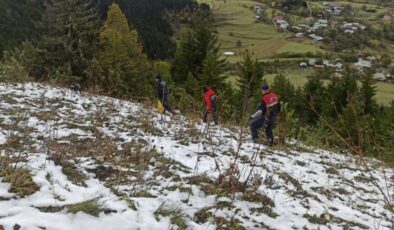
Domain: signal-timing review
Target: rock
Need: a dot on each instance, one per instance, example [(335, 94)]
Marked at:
[(1, 227), (17, 227)]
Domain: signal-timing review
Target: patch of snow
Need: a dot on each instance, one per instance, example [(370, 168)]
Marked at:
[(207, 151)]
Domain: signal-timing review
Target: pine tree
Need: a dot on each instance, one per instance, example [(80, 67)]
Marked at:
[(283, 87), (19, 22), (183, 63), (250, 75), (198, 53), (72, 27), (368, 93), (213, 72), (314, 94), (121, 57), (339, 92)]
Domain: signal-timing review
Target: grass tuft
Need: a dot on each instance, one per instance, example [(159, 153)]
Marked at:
[(176, 214), (21, 181), (91, 207)]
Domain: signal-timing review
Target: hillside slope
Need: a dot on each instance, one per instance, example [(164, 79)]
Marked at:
[(102, 163)]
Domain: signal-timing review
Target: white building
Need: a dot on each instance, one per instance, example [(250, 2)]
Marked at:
[(363, 64), (316, 37), (379, 77)]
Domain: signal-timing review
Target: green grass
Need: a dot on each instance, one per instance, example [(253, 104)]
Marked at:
[(359, 13), (91, 207), (366, 15), (298, 77), (385, 93), (235, 22)]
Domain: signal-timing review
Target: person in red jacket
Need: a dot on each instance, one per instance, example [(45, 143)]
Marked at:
[(211, 104), (266, 114)]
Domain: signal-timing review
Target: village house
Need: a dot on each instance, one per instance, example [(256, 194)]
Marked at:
[(296, 28), (303, 65), (228, 53), (332, 9), (258, 10), (349, 31), (379, 77), (316, 38), (361, 64), (280, 22), (299, 35), (352, 27), (312, 61)]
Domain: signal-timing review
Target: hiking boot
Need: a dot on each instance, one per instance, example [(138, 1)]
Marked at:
[(268, 142)]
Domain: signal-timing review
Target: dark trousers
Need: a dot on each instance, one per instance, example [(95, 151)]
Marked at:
[(214, 114), (258, 123), (166, 105)]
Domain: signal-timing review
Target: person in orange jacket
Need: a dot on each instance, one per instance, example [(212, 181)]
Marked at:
[(211, 104)]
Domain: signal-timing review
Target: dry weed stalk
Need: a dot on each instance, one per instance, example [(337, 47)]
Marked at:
[(356, 148)]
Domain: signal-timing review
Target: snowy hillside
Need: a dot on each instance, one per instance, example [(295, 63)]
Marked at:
[(100, 163)]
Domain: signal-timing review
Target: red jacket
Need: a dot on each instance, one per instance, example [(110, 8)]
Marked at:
[(270, 104), (208, 98), (270, 99)]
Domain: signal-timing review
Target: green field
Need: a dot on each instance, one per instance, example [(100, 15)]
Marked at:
[(384, 95), (235, 22)]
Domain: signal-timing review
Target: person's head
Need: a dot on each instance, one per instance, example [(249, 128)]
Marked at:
[(158, 77), (264, 88), (205, 88)]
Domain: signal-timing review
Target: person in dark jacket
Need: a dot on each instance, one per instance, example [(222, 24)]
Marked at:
[(266, 114), (211, 104), (162, 92)]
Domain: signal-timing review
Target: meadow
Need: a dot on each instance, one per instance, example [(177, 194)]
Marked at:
[(238, 30)]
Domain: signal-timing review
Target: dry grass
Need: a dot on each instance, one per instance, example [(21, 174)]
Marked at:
[(20, 179)]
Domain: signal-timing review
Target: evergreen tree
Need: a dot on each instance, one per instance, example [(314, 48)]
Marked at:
[(368, 93), (314, 94), (213, 72), (151, 19), (385, 130), (71, 40), (354, 126), (283, 87), (198, 54), (19, 22), (339, 91), (250, 75), (183, 64), (121, 56)]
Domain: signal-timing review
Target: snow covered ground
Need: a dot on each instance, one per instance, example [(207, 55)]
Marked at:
[(102, 163)]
